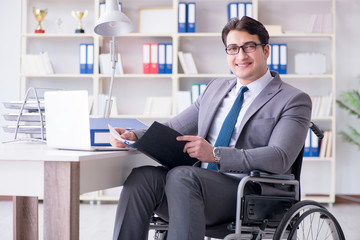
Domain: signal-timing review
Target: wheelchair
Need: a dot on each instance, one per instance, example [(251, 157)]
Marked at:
[(272, 217)]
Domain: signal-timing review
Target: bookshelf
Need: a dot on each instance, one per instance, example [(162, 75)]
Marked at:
[(205, 45)]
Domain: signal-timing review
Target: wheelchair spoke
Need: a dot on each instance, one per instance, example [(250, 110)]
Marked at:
[(309, 221)]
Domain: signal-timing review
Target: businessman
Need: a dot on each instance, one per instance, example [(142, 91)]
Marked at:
[(252, 121)]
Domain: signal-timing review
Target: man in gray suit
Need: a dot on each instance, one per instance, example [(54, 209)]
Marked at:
[(268, 135)]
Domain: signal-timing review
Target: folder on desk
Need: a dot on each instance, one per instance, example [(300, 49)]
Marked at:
[(182, 17), (191, 17), (159, 143)]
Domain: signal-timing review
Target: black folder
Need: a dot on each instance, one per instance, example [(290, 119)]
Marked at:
[(159, 142)]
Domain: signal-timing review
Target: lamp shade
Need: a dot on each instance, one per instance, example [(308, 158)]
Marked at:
[(113, 22)]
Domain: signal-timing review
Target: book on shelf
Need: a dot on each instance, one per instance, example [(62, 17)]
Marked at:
[(168, 58), (182, 17), (326, 145), (187, 63), (322, 105), (90, 58), (183, 100), (186, 17), (277, 60), (157, 58), (240, 9), (197, 90), (320, 23), (146, 58), (191, 17), (154, 68), (162, 58), (158, 106), (86, 58), (37, 64), (105, 64)]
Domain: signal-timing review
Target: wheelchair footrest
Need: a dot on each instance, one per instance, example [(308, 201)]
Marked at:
[(256, 209)]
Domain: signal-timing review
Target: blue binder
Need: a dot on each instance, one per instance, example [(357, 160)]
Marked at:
[(241, 10), (275, 57), (232, 10), (161, 58), (314, 145), (269, 59), (182, 17), (307, 147), (90, 58), (283, 59), (82, 58), (248, 9), (191, 17), (169, 58)]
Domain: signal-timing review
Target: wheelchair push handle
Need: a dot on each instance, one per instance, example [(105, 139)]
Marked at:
[(316, 130)]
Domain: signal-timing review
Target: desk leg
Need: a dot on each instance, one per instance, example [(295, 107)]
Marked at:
[(25, 218), (61, 200)]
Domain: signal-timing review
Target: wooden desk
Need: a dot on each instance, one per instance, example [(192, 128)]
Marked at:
[(32, 170)]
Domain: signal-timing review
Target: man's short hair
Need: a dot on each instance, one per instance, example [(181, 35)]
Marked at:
[(246, 24)]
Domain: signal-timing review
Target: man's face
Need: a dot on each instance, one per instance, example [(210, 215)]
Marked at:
[(248, 67)]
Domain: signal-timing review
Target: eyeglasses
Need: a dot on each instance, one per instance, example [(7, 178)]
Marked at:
[(247, 48)]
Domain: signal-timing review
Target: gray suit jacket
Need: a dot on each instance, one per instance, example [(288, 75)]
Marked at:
[(273, 129)]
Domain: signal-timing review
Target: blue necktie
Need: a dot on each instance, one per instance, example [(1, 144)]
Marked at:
[(228, 126)]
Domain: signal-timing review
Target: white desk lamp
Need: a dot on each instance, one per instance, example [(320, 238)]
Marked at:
[(112, 23)]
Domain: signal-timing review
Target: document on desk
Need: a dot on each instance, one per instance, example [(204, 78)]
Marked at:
[(159, 142)]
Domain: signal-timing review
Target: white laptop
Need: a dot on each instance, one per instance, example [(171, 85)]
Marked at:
[(67, 121)]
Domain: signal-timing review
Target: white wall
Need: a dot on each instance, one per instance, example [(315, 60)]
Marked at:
[(348, 77), (9, 57)]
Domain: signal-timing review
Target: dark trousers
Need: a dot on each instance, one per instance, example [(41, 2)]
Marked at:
[(188, 197)]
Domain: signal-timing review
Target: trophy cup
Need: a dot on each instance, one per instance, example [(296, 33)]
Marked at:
[(79, 16), (39, 16)]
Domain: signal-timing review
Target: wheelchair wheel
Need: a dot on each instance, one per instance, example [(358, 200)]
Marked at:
[(308, 220)]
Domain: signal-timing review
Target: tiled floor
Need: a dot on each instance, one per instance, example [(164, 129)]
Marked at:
[(96, 221)]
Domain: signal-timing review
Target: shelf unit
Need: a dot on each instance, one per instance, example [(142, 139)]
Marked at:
[(205, 45)]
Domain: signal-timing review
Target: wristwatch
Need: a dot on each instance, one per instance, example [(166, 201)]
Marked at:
[(216, 154)]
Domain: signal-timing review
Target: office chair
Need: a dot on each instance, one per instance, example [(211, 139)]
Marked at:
[(272, 217)]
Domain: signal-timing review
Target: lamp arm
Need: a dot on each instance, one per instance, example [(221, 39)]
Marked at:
[(113, 56)]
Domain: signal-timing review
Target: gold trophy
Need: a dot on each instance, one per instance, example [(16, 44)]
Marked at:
[(79, 16), (39, 14)]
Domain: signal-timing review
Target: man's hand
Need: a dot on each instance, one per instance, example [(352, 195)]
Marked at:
[(125, 134), (197, 147)]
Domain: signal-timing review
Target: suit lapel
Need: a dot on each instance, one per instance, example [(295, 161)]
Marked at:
[(214, 104), (265, 95)]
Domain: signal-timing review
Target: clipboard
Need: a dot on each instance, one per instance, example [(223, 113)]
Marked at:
[(159, 143)]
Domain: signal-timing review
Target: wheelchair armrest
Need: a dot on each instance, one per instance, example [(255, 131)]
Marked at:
[(260, 174)]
